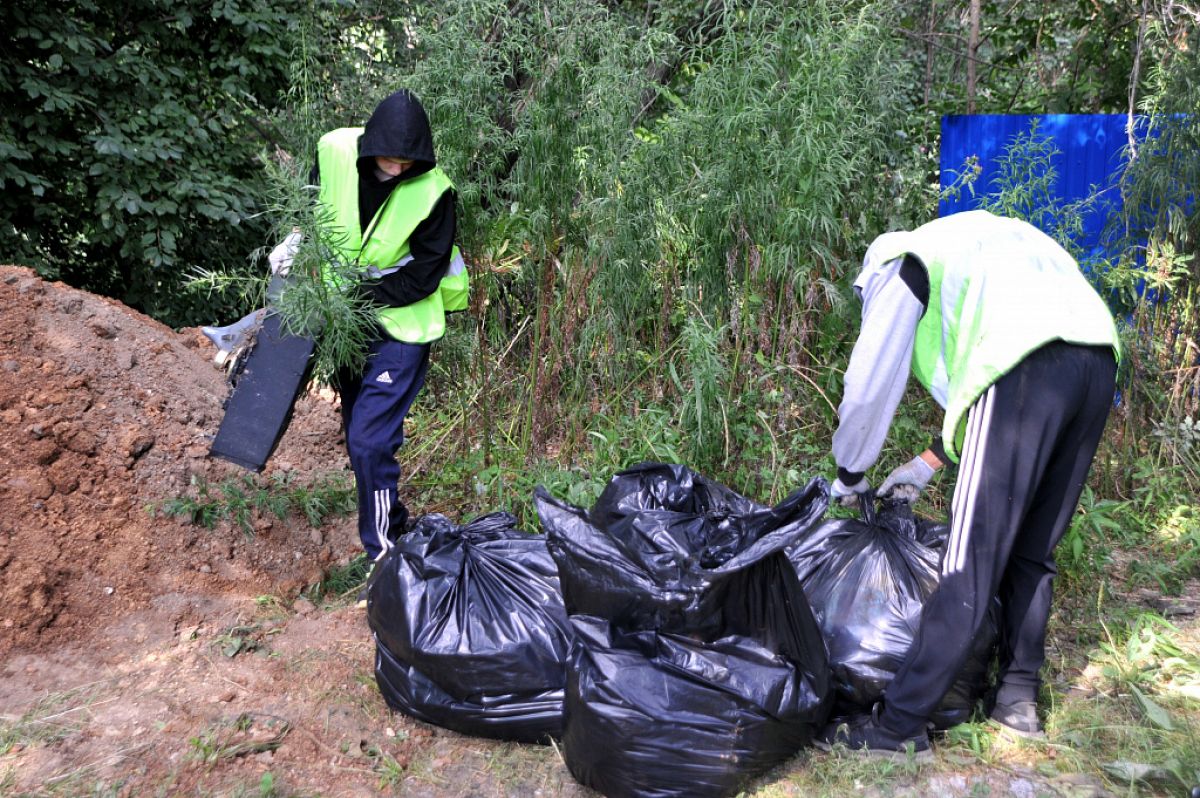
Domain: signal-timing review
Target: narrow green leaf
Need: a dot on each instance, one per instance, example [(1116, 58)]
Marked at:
[(1153, 712)]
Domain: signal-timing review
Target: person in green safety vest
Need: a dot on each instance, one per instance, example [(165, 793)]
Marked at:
[(391, 213), (999, 324)]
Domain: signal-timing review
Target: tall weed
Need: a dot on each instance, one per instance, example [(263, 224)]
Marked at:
[(625, 181)]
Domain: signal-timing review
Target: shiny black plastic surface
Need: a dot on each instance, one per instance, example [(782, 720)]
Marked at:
[(470, 629)]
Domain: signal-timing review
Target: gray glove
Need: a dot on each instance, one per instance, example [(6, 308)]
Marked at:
[(848, 495), (907, 481)]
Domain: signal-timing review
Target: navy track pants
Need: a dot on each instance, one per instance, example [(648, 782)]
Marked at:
[(374, 405), (1029, 444)]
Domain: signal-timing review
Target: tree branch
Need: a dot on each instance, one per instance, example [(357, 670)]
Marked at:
[(1133, 82)]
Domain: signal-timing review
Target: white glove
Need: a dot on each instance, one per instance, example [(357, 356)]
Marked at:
[(848, 495), (907, 481), (284, 253)]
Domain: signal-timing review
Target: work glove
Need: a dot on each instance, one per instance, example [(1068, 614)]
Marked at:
[(284, 253), (907, 481), (281, 265), (848, 495)]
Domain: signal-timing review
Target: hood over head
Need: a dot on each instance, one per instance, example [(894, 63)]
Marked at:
[(398, 128)]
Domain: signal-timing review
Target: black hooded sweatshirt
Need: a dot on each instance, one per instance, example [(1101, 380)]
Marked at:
[(399, 128)]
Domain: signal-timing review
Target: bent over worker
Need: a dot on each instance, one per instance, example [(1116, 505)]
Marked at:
[(999, 324), (391, 214)]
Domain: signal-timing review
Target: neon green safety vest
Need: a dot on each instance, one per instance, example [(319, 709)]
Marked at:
[(999, 288), (386, 248)]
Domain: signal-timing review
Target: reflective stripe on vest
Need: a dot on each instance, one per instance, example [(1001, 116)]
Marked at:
[(457, 266), (999, 288), (387, 236), (454, 288)]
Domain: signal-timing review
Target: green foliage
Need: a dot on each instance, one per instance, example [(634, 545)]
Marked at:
[(1072, 56), (391, 772), (52, 718), (627, 179), (1085, 549), (340, 581), (752, 190), (481, 482), (1025, 186), (129, 142), (245, 734), (1159, 183), (703, 413), (1172, 550), (238, 639), (267, 788), (319, 297), (1146, 655), (237, 501)]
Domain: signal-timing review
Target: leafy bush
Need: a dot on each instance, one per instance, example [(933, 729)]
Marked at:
[(129, 141)]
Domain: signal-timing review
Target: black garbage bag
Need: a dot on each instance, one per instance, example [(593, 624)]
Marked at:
[(867, 581), (711, 521), (470, 629), (656, 715), (666, 549)]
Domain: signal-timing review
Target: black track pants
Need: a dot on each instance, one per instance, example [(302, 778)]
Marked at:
[(1029, 444), (374, 406)]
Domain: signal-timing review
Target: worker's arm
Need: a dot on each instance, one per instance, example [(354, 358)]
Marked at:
[(430, 246), (879, 364)]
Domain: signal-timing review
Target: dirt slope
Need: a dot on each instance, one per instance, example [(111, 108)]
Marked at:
[(105, 414), (140, 655)]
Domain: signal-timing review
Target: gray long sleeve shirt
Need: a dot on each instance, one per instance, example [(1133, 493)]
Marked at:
[(894, 298)]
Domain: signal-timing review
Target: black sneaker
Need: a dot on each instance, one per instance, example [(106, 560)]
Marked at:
[(865, 736), (1020, 719)]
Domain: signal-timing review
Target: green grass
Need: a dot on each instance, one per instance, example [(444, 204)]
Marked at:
[(55, 717), (80, 784), (229, 738), (340, 582), (391, 772), (238, 501)]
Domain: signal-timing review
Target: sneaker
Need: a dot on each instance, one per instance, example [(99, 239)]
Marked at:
[(865, 736), (1020, 719)]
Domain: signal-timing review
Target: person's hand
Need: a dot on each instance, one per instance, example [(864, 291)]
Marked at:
[(907, 481), (848, 495)]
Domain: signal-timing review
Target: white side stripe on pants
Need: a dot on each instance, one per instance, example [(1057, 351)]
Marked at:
[(962, 506), (383, 518)]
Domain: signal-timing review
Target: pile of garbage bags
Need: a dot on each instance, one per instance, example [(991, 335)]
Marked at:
[(678, 637), (697, 663), (867, 581), (470, 629)]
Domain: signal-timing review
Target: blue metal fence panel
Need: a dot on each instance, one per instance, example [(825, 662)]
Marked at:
[(1091, 156)]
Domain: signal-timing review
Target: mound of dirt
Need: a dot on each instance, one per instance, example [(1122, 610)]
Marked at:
[(106, 415)]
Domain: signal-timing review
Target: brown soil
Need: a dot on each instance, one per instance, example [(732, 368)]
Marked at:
[(107, 414), (142, 655)]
